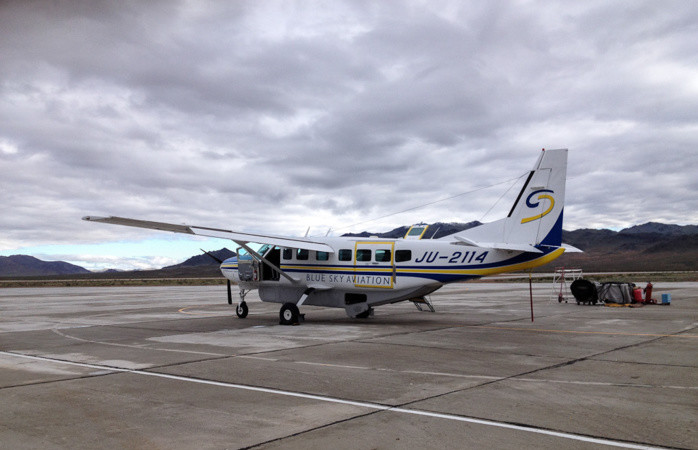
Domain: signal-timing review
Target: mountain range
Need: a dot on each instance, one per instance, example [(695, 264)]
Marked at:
[(206, 259), (648, 247), (28, 266), (644, 248)]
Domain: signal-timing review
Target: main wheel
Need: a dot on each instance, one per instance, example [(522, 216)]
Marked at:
[(241, 310), (365, 315), (289, 314)]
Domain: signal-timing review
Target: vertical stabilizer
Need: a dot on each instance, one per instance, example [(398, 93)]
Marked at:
[(536, 217)]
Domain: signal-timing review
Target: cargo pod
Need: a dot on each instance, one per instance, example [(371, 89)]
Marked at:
[(374, 264)]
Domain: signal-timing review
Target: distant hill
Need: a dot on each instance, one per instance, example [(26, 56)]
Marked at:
[(648, 247), (28, 266), (662, 228), (204, 259), (435, 230), (23, 265)]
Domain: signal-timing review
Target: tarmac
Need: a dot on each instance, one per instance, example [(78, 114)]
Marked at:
[(173, 367)]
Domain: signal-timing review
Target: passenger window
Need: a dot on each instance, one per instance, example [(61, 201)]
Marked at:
[(383, 255), (322, 256), (287, 254), (345, 254), (302, 254), (403, 255), (363, 255)]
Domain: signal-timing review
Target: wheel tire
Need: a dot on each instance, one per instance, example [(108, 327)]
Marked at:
[(241, 310), (289, 314), (365, 315)]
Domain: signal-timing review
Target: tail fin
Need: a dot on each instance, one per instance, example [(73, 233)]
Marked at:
[(536, 217)]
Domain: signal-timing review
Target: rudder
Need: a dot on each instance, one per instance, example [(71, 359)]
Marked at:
[(536, 217)]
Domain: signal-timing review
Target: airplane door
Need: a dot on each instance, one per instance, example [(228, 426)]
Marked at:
[(374, 264)]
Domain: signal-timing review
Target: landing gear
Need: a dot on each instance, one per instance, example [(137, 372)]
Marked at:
[(366, 314), (241, 310), (289, 314)]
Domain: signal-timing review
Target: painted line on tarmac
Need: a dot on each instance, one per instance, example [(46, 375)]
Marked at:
[(602, 383), (611, 333), (211, 314), (192, 313), (140, 347), (374, 406), (479, 377), (184, 311)]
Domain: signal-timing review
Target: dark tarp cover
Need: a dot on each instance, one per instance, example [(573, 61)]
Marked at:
[(615, 292)]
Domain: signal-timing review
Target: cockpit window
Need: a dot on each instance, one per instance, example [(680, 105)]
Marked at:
[(416, 231), (265, 248)]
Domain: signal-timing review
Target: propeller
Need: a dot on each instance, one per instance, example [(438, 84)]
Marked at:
[(220, 261)]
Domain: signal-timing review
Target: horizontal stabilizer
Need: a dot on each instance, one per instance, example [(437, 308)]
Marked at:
[(497, 245), (571, 249)]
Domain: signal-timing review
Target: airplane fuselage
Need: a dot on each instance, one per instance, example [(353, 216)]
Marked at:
[(372, 271)]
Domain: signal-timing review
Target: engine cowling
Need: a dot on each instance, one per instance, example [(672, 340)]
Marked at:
[(241, 269)]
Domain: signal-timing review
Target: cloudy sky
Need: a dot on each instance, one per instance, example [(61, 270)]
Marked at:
[(274, 116)]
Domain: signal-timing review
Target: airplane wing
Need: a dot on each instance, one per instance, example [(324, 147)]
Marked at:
[(243, 238)]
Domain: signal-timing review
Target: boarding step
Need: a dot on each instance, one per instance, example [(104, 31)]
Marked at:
[(419, 301)]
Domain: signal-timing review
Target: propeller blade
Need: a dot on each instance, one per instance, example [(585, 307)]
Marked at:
[(220, 261)]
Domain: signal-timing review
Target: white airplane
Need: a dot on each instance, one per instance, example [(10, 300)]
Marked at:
[(358, 274)]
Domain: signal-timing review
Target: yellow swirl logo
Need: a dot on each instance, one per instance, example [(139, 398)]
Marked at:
[(542, 196)]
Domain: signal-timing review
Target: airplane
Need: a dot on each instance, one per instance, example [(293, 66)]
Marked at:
[(359, 274)]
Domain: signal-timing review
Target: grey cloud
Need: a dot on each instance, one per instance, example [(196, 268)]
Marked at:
[(272, 115)]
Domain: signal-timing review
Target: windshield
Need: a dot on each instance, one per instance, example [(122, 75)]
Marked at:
[(416, 231)]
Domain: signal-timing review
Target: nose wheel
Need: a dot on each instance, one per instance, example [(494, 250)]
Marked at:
[(241, 310)]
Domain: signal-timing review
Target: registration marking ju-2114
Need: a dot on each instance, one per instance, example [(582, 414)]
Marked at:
[(453, 258)]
